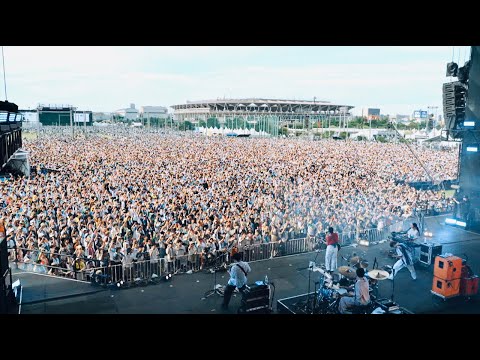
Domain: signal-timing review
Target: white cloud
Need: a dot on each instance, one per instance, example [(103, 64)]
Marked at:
[(108, 78)]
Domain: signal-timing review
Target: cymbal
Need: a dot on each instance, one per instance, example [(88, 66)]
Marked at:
[(355, 260), (347, 271), (364, 264), (378, 274)]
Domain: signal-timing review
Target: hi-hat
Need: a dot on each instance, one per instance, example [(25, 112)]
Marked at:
[(354, 260), (347, 271), (378, 274), (364, 264)]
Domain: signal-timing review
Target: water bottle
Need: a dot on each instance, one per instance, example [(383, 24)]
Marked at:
[(266, 280)]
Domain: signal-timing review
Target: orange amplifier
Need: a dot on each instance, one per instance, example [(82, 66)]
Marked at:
[(466, 271), (448, 268), (446, 288), (469, 286)]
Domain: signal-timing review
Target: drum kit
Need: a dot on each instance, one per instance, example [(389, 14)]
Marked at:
[(333, 286), (333, 290)]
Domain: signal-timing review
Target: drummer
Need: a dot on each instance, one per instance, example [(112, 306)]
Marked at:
[(361, 295)]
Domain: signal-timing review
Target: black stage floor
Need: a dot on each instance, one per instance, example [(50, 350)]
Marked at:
[(184, 294)]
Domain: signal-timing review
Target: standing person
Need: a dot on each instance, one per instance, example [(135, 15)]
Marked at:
[(154, 259), (238, 278), (413, 233), (331, 241), (405, 259)]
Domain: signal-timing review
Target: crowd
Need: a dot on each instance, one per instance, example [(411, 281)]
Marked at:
[(135, 195)]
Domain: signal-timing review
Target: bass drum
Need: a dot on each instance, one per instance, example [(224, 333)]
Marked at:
[(326, 294)]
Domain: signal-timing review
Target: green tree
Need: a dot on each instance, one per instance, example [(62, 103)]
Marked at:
[(213, 122), (266, 124), (186, 125), (237, 123), (412, 125)]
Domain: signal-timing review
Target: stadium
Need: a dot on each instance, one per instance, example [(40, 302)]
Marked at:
[(265, 114)]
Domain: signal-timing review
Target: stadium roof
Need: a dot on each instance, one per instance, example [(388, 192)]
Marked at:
[(263, 105), (260, 100)]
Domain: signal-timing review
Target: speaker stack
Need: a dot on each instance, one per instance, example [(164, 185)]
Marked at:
[(454, 103)]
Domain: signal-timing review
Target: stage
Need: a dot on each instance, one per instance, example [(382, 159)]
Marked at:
[(184, 294)]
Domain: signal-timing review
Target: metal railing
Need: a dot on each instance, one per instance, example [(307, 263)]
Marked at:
[(144, 271)]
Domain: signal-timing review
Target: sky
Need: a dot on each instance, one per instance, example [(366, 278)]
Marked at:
[(398, 80)]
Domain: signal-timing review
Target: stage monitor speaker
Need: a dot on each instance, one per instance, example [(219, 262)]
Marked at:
[(255, 299)]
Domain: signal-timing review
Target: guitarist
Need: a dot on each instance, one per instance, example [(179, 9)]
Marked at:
[(238, 279)]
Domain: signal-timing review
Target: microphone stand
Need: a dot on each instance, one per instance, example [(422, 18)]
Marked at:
[(310, 269), (393, 283), (214, 290)]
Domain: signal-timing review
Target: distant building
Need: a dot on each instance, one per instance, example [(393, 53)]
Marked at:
[(402, 118), (371, 113), (129, 113), (158, 112), (101, 116), (63, 115)]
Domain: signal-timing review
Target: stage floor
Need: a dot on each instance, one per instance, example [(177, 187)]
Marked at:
[(184, 294)]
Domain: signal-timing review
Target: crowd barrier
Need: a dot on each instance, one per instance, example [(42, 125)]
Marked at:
[(134, 272)]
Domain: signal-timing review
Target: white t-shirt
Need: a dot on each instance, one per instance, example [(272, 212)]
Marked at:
[(413, 234), (237, 276)]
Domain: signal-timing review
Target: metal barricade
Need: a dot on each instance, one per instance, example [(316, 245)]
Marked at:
[(295, 246), (147, 270), (347, 238), (374, 235)]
